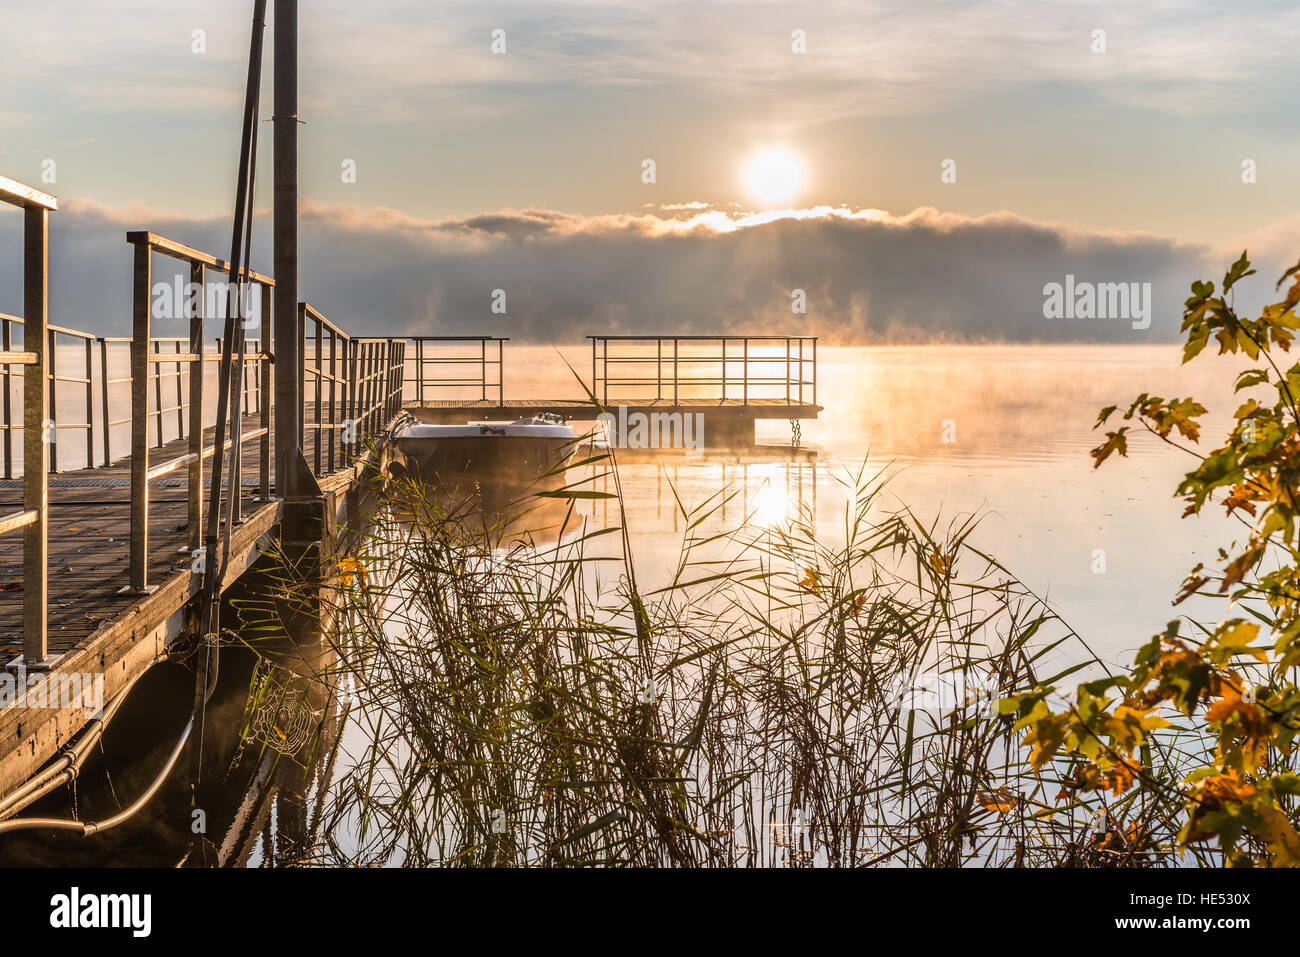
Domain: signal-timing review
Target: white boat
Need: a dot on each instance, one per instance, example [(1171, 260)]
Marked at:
[(521, 453)]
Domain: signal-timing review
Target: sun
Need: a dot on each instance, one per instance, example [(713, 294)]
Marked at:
[(773, 176)]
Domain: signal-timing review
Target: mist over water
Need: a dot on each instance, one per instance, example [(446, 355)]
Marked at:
[(1022, 422)]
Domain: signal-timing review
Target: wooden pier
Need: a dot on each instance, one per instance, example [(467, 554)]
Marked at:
[(101, 513)]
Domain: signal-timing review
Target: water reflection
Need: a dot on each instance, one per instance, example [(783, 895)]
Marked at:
[(1022, 417)]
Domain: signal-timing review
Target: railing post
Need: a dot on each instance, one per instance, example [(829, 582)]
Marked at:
[(197, 277), (265, 344), (90, 403), (724, 369), (180, 399), (302, 377), (814, 382), (334, 372), (103, 395), (370, 388), (36, 546), (139, 564), (156, 369), (316, 362), (350, 400), (801, 369), (675, 401), (659, 369), (7, 344), (745, 371), (394, 377), (392, 371), (52, 373), (419, 370)]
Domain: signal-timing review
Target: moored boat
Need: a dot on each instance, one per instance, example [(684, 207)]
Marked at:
[(522, 453)]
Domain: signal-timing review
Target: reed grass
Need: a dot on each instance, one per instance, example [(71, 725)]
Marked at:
[(516, 698)]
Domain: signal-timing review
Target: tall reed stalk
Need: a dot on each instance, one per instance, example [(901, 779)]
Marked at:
[(516, 699)]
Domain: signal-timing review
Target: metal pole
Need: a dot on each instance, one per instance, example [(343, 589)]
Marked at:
[(196, 413), (333, 418), (156, 368), (659, 369), (419, 370), (264, 342), (675, 401), (52, 375), (180, 398), (36, 551), (745, 369), (103, 392), (140, 420), (6, 343), (90, 403), (350, 410), (288, 336), (230, 341), (724, 370), (316, 362)]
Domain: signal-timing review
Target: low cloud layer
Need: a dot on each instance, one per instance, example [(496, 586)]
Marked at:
[(868, 276)]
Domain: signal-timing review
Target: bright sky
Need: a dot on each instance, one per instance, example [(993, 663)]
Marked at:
[(1149, 135)]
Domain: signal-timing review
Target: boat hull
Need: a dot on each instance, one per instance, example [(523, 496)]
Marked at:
[(506, 455)]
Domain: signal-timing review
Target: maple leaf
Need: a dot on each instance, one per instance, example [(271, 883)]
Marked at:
[(1115, 442)]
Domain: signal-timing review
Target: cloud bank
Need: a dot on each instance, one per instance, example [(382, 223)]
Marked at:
[(867, 276)]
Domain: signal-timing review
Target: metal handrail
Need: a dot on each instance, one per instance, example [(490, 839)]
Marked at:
[(147, 361), (483, 382), (800, 368)]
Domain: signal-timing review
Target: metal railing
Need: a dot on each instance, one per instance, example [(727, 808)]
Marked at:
[(377, 382), (694, 369), (33, 519), (98, 414), (147, 355), (355, 385), (455, 367)]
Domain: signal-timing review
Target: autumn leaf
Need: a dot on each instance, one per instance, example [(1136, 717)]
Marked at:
[(812, 581), (1115, 442)]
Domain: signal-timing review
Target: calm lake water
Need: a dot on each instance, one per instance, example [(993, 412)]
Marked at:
[(1021, 423), (1018, 423)]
